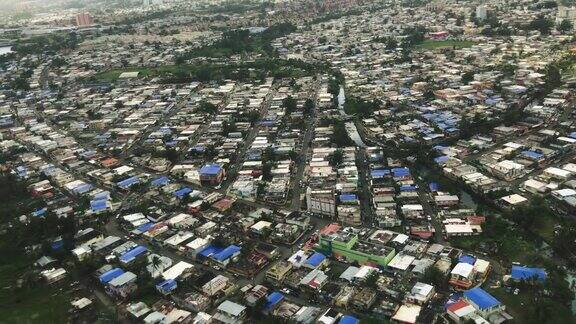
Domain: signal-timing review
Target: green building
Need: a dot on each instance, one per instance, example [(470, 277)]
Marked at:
[(344, 245)]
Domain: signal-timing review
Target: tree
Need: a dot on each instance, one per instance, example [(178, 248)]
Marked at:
[(207, 107), (467, 77), (435, 277), (340, 135), (290, 104), (118, 104), (565, 26), (309, 107), (541, 24), (336, 158)]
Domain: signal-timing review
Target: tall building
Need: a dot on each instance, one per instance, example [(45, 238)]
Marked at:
[(568, 13), (481, 12), (84, 19)]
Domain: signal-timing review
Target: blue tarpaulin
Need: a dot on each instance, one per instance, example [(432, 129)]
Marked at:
[(348, 319), (533, 155), (164, 180), (408, 188), (210, 169), (83, 188), (481, 298), (57, 244), (39, 212), (379, 173), (272, 300), (348, 197), (401, 172), (467, 259), (182, 192), (315, 260), (127, 183), (442, 159), (109, 275), (102, 195), (210, 250), (132, 254), (98, 205), (144, 227), (525, 273), (167, 286), (434, 186), (226, 253)]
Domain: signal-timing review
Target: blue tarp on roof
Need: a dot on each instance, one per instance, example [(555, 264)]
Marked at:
[(164, 180), (83, 188), (226, 253), (348, 319), (525, 273), (401, 172), (272, 300), (572, 135), (467, 259), (379, 173), (182, 192), (434, 186), (210, 169), (57, 244), (98, 205), (167, 286), (408, 188), (348, 197), (109, 275), (39, 212), (198, 148), (442, 159), (127, 183), (101, 195), (210, 250), (132, 254), (144, 227), (454, 298), (481, 298), (532, 155), (315, 259)]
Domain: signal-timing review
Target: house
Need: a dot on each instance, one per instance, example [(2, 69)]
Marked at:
[(53, 275), (224, 257), (230, 313), (420, 294), (407, 313), (166, 286), (279, 271), (123, 285), (462, 275), (211, 174), (485, 304), (315, 261), (215, 285), (460, 311)]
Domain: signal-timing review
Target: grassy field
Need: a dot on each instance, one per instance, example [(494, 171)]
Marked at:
[(38, 304), (437, 44), (525, 309)]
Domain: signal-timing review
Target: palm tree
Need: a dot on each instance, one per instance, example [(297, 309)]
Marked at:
[(156, 262)]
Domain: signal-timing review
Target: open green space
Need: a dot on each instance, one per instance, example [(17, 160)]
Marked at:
[(33, 302), (439, 44), (528, 308)]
